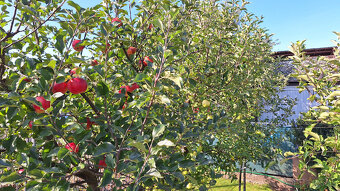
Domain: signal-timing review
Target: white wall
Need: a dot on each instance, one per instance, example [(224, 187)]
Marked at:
[(302, 102)]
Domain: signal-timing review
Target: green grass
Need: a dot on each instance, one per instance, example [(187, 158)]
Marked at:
[(226, 185)]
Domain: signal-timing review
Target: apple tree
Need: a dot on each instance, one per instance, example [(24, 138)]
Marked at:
[(126, 95), (239, 79), (320, 77)]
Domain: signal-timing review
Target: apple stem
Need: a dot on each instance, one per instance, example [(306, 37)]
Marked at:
[(90, 103)]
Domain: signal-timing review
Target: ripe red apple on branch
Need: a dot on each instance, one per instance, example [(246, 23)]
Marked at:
[(45, 104), (27, 80), (77, 85), (76, 45), (150, 26), (72, 147), (102, 163), (94, 63), (21, 170), (129, 89), (131, 50), (145, 61), (116, 19), (59, 87), (89, 123)]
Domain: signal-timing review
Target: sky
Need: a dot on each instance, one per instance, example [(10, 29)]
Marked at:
[(293, 20)]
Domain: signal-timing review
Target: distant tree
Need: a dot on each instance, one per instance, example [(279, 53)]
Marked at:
[(320, 148)]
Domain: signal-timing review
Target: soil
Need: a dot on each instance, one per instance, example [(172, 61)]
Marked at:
[(272, 182)]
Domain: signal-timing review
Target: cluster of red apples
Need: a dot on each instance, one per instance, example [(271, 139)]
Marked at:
[(79, 85)]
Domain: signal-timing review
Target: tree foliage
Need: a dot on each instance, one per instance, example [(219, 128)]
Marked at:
[(320, 147)]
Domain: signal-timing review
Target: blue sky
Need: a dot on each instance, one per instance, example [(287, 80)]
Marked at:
[(292, 20)]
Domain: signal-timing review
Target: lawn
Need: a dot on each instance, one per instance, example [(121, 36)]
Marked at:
[(226, 185)]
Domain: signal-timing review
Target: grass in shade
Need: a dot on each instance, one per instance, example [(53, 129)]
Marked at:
[(226, 185)]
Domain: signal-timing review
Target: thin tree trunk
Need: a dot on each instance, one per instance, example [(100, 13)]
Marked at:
[(244, 176), (240, 178)]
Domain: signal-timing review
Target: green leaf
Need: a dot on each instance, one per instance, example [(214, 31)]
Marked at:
[(270, 164), (167, 53), (20, 144), (103, 148), (166, 143), (74, 5), (186, 163), (36, 172), (62, 153), (139, 146), (165, 100), (11, 112), (102, 30), (288, 154), (140, 77), (52, 64), (158, 130), (107, 177), (7, 188), (10, 178), (31, 184), (47, 73), (158, 23), (110, 161), (4, 163), (60, 79), (60, 43), (154, 172), (101, 89)]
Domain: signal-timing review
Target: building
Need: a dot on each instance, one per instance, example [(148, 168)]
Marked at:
[(288, 172)]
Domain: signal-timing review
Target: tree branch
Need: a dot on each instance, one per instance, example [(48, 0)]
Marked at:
[(90, 103), (156, 78), (13, 18), (48, 18)]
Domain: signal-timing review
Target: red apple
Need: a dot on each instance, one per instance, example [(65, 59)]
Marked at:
[(129, 89), (150, 26), (45, 104), (146, 60), (125, 105), (102, 163), (94, 63), (116, 19), (76, 46), (26, 79), (89, 123), (59, 87), (77, 85), (21, 170), (30, 124), (72, 147), (134, 86), (131, 50)]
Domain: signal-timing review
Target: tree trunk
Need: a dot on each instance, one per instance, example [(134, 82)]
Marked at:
[(240, 178), (244, 176), (89, 177)]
